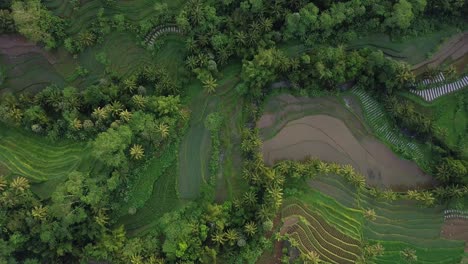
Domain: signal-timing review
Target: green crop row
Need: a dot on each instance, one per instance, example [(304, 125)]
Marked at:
[(31, 157)]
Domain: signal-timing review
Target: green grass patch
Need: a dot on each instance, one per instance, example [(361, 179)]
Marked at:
[(162, 199), (195, 149), (399, 224), (449, 112), (37, 159), (413, 49)]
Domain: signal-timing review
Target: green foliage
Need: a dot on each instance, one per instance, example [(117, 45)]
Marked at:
[(110, 146), (36, 23), (7, 23)]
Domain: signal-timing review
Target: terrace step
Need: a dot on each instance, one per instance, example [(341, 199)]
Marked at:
[(153, 35), (443, 89)]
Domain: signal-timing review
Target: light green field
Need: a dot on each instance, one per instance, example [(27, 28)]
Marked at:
[(399, 225), (163, 198), (33, 157)]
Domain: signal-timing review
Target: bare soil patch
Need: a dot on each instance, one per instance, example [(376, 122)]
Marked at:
[(16, 45), (328, 138), (453, 49), (456, 229)]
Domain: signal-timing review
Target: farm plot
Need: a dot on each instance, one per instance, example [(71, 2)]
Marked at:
[(434, 93), (36, 159), (163, 198), (412, 50), (195, 148), (30, 67), (295, 128), (315, 226), (398, 225), (385, 130)]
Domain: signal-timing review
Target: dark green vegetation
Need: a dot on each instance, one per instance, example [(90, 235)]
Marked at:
[(122, 144)]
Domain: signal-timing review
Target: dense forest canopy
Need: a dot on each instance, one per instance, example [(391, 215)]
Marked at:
[(122, 123)]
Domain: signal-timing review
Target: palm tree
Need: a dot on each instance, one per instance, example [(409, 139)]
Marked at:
[(218, 238), (264, 213), (136, 259), (20, 184), (250, 228), (389, 195), (310, 257), (191, 44), (266, 24), (427, 198), (101, 218), (322, 167), (370, 214), (231, 235), (76, 124), (139, 101), (3, 183), (240, 37), (86, 38), (100, 113), (413, 194), (250, 198), (130, 84), (347, 171), (39, 212), (137, 152), (450, 72), (191, 62), (155, 260), (116, 107), (16, 115), (125, 115), (359, 181), (163, 130), (210, 84), (409, 255)]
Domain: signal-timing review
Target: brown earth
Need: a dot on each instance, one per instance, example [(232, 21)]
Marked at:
[(296, 128), (16, 45), (453, 49), (456, 229), (329, 139)]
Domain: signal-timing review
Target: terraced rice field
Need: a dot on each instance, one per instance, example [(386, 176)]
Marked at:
[(434, 93), (36, 159), (29, 67), (163, 198), (86, 14), (413, 50), (314, 234), (400, 224), (383, 127), (195, 148)]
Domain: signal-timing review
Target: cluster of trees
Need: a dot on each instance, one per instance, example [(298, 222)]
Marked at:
[(220, 30), (36, 23), (325, 68), (7, 24), (449, 166)]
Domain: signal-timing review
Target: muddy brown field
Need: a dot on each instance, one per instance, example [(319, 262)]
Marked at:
[(456, 229), (330, 139)]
